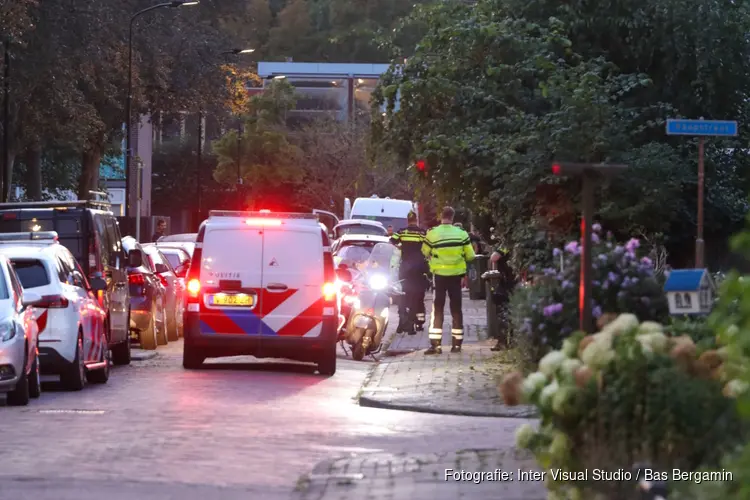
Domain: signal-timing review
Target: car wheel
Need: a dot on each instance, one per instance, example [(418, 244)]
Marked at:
[(173, 334), (162, 327), (148, 337), (20, 395), (74, 377), (191, 360), (121, 354), (327, 363), (35, 379), (100, 376)]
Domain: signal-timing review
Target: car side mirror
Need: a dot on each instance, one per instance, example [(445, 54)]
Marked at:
[(97, 284), (161, 268), (135, 259), (30, 299), (182, 270), (344, 274)]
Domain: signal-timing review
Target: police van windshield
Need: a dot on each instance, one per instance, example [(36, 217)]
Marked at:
[(398, 223)]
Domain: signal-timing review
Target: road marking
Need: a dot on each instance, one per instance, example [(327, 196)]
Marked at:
[(77, 412)]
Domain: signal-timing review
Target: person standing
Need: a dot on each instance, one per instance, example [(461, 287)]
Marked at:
[(448, 249), (161, 229), (499, 261), (412, 271)]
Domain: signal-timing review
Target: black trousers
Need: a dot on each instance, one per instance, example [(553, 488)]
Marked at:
[(411, 309), (450, 286)]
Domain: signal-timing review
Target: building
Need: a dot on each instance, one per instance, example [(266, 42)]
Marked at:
[(337, 90)]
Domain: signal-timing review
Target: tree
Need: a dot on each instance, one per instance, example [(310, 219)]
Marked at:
[(490, 98), (261, 157)]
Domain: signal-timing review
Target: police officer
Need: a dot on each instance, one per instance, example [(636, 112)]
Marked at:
[(499, 261), (412, 271), (449, 249)]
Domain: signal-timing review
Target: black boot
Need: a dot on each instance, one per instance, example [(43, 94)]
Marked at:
[(499, 346), (434, 348), (456, 346), (419, 327)]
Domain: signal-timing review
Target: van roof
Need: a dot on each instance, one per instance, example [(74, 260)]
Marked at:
[(234, 218)]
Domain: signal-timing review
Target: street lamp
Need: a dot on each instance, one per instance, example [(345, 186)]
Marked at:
[(199, 164), (128, 146)]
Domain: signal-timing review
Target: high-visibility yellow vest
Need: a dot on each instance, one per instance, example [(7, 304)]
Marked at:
[(449, 249)]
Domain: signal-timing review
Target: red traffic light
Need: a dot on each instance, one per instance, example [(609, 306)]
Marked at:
[(556, 169), (421, 165)]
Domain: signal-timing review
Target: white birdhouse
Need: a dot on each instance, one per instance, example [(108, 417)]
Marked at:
[(690, 291)]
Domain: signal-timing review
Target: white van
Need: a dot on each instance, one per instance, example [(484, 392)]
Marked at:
[(384, 210), (261, 284)]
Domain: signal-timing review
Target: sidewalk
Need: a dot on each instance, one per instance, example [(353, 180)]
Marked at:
[(423, 477), (457, 384)]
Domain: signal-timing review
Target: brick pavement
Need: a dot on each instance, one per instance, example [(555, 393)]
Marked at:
[(459, 384), (422, 477)]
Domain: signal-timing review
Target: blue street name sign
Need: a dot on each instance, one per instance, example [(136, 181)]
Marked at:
[(701, 127)]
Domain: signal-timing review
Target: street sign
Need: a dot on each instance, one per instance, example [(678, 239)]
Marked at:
[(677, 126)]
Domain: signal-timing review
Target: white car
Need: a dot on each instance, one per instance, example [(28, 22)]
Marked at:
[(364, 241), (19, 354), (70, 319), (262, 284), (359, 226)]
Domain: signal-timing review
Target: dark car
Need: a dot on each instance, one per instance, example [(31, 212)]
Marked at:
[(148, 299), (174, 290), (91, 232)]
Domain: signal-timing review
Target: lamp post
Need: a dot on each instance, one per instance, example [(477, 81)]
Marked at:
[(129, 102), (199, 164), (4, 185), (590, 173)]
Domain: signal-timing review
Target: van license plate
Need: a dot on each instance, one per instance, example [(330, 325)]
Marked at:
[(239, 299), (362, 322)]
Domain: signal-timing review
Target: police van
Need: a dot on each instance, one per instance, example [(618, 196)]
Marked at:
[(261, 284)]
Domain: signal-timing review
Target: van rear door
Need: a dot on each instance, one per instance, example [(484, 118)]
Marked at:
[(293, 278), (230, 276)]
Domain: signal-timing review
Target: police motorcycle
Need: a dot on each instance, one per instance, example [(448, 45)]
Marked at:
[(369, 295), (348, 261)]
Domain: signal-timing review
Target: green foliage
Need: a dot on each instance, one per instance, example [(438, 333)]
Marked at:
[(641, 406), (545, 312), (496, 90)]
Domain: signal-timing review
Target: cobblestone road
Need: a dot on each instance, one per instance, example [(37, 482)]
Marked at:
[(237, 429)]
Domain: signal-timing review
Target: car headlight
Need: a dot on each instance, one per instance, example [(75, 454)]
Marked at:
[(378, 282), (7, 332)]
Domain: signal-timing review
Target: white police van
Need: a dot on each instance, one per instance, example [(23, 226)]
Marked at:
[(261, 284)]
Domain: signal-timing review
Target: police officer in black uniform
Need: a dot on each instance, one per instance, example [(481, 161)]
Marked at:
[(412, 271)]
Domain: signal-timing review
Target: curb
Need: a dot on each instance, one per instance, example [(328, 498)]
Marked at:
[(141, 355), (369, 402)]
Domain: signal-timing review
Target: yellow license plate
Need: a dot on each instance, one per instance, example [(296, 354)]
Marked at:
[(240, 299)]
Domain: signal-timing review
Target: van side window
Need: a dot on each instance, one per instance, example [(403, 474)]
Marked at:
[(115, 255), (102, 234)]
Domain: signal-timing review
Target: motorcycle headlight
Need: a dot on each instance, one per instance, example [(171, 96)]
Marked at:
[(378, 282), (7, 332)]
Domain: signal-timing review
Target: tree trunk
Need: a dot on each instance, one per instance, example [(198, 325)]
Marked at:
[(89, 180), (34, 173), (11, 162)]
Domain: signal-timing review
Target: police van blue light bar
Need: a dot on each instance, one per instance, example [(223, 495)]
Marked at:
[(47, 236)]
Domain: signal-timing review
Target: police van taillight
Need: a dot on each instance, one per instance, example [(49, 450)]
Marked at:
[(193, 279), (329, 275)]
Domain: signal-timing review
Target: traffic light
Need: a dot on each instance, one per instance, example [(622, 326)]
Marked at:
[(421, 165), (556, 169)]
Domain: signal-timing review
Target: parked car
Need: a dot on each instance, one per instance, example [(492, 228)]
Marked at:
[(359, 226), (273, 266), (91, 232), (186, 241), (174, 290), (148, 299), (19, 353), (70, 320)]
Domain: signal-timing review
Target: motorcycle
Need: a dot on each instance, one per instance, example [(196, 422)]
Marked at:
[(368, 300)]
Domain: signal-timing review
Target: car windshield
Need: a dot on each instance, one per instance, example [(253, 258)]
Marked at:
[(360, 229), (354, 255), (31, 273)]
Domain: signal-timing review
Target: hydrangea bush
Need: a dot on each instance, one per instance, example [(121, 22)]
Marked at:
[(545, 312), (630, 394)]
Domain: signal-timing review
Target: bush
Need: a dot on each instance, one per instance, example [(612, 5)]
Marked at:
[(544, 313), (629, 394)]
